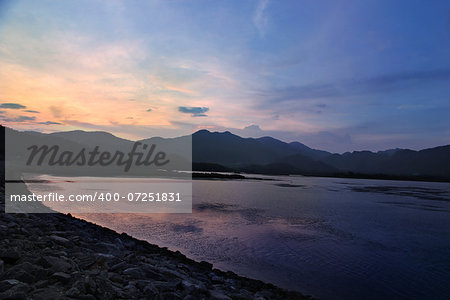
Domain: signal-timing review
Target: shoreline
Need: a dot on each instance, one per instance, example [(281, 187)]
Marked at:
[(59, 256)]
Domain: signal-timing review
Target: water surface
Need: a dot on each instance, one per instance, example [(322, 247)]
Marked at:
[(332, 238)]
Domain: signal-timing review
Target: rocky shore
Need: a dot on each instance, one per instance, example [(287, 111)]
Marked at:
[(56, 256)]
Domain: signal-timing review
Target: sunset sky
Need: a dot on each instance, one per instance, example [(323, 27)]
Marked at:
[(334, 75)]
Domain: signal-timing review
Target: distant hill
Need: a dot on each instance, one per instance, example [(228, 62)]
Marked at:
[(99, 138), (224, 151), (271, 156), (232, 150)]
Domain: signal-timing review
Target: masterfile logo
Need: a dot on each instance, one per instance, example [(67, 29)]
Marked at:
[(147, 157), (45, 173)]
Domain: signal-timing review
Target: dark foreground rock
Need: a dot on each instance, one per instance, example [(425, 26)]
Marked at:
[(56, 256)]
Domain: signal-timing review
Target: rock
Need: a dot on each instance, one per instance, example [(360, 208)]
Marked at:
[(59, 239), (150, 291), (170, 273), (2, 266), (55, 264), (24, 231), (12, 225), (16, 292), (89, 285), (86, 297), (217, 295), (80, 286), (31, 270), (118, 243), (73, 292), (118, 266), (170, 296), (187, 284), (150, 274), (105, 288), (8, 283), (131, 289), (17, 295), (116, 278), (85, 262), (23, 276), (41, 284), (216, 278), (9, 256), (168, 286), (206, 265), (134, 273), (46, 293), (106, 247), (101, 261), (60, 276), (263, 295)]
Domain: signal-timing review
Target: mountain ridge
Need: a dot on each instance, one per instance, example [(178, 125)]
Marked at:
[(226, 151)]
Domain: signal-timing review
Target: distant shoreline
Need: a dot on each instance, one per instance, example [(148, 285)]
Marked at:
[(204, 175), (215, 175)]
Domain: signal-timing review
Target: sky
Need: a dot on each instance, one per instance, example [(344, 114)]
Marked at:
[(334, 75)]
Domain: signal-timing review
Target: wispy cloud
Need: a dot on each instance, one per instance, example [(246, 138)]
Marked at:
[(372, 85), (260, 17), (56, 111), (12, 106), (20, 119), (50, 123), (194, 111)]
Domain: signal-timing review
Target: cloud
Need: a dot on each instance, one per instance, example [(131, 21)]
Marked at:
[(20, 119), (50, 123), (33, 111), (372, 85), (253, 127), (412, 76), (193, 110), (12, 106), (260, 18), (56, 111), (249, 131)]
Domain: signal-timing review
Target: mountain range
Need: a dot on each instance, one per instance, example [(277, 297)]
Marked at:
[(224, 151), (272, 156)]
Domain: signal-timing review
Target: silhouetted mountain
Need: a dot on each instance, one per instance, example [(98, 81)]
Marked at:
[(308, 165), (99, 138), (312, 153), (224, 151), (70, 154), (234, 151), (358, 161), (271, 156), (230, 150), (399, 162), (427, 162), (390, 151)]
